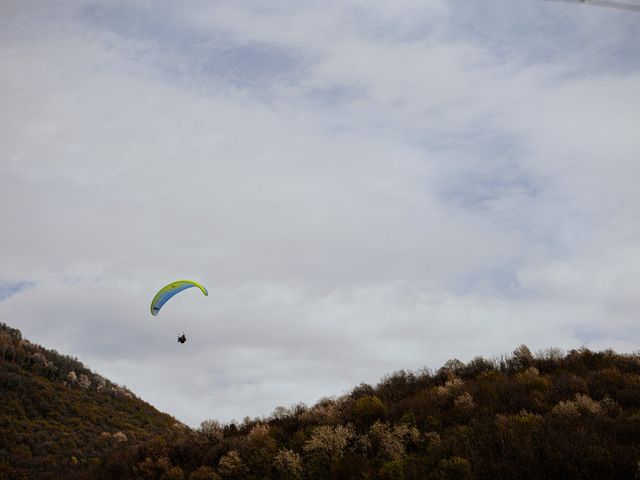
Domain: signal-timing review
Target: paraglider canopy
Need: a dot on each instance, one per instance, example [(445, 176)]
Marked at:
[(166, 293)]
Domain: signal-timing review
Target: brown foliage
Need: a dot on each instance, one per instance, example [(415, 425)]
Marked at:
[(550, 415)]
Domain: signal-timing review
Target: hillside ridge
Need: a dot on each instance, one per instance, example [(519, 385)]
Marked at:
[(548, 415), (58, 418)]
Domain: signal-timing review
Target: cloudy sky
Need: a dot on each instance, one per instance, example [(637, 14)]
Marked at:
[(363, 186)]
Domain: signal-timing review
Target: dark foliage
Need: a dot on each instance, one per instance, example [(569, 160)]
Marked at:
[(543, 416), (59, 420)]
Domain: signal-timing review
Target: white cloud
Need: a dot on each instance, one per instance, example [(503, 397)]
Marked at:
[(362, 189)]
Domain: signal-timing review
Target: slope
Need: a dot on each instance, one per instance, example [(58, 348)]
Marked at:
[(57, 418), (545, 416)]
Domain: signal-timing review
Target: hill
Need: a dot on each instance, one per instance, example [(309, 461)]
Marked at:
[(545, 416), (57, 418)]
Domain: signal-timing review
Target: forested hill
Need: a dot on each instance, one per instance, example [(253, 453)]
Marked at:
[(545, 416), (58, 419)]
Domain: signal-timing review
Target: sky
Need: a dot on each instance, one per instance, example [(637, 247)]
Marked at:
[(362, 186)]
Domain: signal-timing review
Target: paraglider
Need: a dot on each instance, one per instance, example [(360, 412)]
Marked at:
[(168, 292)]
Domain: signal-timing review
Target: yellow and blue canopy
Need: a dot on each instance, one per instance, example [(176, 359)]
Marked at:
[(166, 293)]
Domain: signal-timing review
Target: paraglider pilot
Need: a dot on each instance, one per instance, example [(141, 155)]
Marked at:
[(166, 293)]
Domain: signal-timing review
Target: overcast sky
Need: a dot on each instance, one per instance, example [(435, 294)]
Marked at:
[(363, 187)]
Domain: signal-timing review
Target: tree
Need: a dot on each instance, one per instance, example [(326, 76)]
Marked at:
[(173, 473), (204, 473), (366, 410), (288, 464), (391, 471), (259, 450), (522, 358), (212, 430), (325, 448), (231, 466), (454, 468)]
